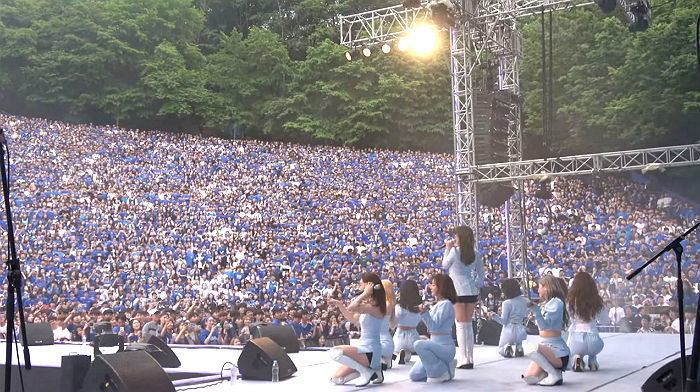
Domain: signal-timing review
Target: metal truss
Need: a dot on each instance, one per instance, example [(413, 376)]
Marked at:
[(651, 158), (488, 29), (461, 65), (380, 25)]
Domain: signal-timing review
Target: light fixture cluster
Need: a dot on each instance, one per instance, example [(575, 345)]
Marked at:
[(367, 51), (421, 41)]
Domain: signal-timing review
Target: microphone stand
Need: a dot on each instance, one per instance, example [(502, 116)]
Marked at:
[(14, 278), (677, 248)]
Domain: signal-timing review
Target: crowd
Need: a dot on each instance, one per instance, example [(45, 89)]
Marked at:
[(197, 239)]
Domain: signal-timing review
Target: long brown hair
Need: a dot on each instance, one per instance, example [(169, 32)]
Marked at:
[(556, 288), (378, 294), (583, 299), (466, 244), (445, 287), (409, 298)]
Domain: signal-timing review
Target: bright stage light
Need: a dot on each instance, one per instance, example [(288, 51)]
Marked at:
[(348, 55), (404, 43), (386, 48), (423, 40), (366, 52)]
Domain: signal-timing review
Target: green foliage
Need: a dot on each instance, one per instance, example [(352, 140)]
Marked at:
[(274, 68)]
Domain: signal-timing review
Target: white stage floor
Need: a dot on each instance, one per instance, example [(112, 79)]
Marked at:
[(625, 364)]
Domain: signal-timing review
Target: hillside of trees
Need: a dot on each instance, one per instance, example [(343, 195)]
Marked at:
[(274, 69)]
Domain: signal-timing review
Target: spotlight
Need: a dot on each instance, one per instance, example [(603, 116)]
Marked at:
[(366, 52), (386, 48), (348, 55), (638, 13), (444, 13)]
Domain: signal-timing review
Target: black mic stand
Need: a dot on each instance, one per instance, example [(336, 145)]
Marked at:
[(677, 248), (14, 278)]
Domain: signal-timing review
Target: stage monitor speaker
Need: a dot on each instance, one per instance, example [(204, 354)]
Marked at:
[(73, 371), (283, 335), (255, 361), (667, 378), (38, 334), (158, 349), (127, 371), (489, 332)]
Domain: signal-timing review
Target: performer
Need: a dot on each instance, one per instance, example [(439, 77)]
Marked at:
[(388, 322), (465, 267), (513, 314), (436, 361), (584, 304), (407, 318), (551, 356), (367, 310)]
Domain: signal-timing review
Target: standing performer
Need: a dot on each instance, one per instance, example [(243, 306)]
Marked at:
[(584, 304), (513, 314), (551, 356), (367, 310), (407, 318), (436, 361), (387, 323), (465, 267)]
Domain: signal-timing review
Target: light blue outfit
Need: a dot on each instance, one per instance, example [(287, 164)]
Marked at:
[(405, 338), (385, 337), (584, 339), (369, 341), (467, 279), (435, 355), (550, 316), (514, 313)]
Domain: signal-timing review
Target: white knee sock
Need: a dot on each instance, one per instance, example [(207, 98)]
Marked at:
[(461, 342), (469, 342)]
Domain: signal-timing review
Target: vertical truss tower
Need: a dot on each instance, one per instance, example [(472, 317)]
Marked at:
[(489, 29)]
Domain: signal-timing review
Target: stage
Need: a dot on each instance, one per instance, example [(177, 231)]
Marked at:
[(625, 363)]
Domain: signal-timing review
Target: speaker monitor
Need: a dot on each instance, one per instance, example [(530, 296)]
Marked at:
[(667, 378), (158, 349), (38, 334), (489, 332), (73, 371), (283, 335), (127, 371), (255, 361)]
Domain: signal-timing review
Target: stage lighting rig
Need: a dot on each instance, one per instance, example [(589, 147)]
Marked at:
[(638, 14)]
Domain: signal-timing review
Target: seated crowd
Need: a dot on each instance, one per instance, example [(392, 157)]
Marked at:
[(198, 239)]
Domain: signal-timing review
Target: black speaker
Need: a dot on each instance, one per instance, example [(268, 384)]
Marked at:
[(158, 349), (127, 371), (489, 332), (255, 361), (283, 335), (667, 378), (38, 334), (73, 371)]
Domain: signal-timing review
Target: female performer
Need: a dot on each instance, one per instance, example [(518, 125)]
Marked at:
[(465, 267), (436, 361), (387, 323), (584, 304), (407, 318), (514, 311), (551, 356), (364, 359)]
